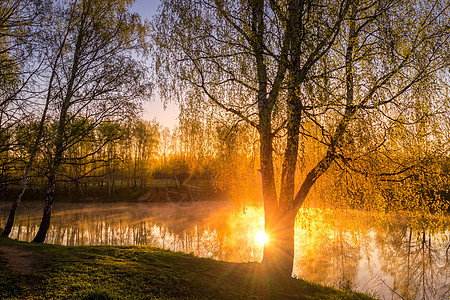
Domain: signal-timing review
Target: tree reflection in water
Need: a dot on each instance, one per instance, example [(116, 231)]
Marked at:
[(347, 249)]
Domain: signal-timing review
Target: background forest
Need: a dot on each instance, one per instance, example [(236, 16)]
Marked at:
[(125, 160)]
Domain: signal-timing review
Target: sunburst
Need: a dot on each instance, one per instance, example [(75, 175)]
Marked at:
[(261, 237)]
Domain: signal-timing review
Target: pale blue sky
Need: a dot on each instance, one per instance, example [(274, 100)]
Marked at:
[(154, 109), (146, 8)]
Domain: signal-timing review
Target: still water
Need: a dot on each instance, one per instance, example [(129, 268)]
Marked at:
[(346, 249)]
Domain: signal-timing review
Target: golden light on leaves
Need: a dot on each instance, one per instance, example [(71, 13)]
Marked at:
[(261, 237)]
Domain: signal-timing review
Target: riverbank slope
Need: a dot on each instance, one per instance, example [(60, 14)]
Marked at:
[(34, 271)]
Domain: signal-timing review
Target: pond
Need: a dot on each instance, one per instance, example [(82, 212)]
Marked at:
[(346, 249)]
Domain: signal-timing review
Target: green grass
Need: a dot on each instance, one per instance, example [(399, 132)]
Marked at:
[(142, 272)]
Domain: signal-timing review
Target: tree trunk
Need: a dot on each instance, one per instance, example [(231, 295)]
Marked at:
[(278, 259), (113, 180), (12, 212), (108, 174), (45, 222)]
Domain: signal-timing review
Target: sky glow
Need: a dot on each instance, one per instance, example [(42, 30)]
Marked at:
[(261, 237), (154, 109)]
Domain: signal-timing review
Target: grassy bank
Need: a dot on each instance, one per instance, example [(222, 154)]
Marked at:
[(30, 271)]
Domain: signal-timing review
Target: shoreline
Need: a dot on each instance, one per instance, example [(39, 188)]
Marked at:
[(139, 272)]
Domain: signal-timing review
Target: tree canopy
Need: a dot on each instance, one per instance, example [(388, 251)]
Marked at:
[(349, 75)]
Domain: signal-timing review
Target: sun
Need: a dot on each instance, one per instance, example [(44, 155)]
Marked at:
[(261, 237)]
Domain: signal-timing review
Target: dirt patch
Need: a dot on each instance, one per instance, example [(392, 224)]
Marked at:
[(21, 261)]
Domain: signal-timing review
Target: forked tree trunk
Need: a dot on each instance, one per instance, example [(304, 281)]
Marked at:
[(278, 255), (280, 222), (280, 216)]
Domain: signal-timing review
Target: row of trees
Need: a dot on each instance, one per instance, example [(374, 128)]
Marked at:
[(111, 153), (117, 158)]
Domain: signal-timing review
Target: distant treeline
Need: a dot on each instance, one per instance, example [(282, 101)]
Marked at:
[(114, 160), (125, 160)]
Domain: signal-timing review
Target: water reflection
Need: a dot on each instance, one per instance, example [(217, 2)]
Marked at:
[(343, 249), (355, 250)]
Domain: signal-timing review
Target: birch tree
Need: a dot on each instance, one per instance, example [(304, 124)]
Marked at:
[(98, 77)]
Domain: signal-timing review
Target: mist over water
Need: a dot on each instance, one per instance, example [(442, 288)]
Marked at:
[(346, 249)]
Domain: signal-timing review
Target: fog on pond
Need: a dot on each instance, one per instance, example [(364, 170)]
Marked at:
[(346, 249)]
